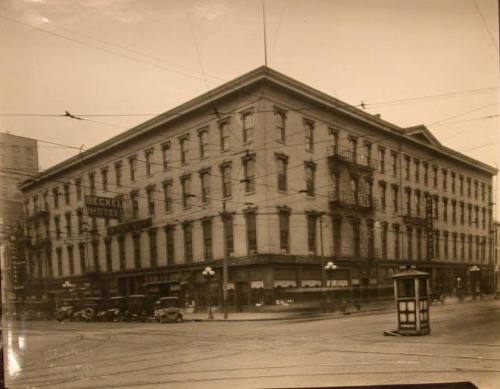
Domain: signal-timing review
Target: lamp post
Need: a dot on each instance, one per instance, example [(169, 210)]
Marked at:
[(208, 274), (329, 268), (474, 271)]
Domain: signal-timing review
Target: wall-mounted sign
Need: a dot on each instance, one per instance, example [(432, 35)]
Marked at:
[(133, 226), (429, 227), (103, 206)]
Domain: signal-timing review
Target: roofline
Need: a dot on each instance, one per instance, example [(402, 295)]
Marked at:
[(249, 79)]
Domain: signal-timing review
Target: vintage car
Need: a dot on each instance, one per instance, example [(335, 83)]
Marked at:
[(36, 310), (167, 309), (115, 311), (67, 309), (139, 308), (89, 308)]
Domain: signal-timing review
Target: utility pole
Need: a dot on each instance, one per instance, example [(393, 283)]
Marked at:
[(224, 260)]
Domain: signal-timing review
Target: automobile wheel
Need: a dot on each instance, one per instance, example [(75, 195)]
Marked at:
[(88, 314)]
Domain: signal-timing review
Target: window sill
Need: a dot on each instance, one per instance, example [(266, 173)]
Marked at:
[(250, 193)]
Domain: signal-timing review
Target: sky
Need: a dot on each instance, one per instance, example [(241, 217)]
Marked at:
[(431, 62)]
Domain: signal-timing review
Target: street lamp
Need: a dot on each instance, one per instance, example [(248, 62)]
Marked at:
[(208, 274), (474, 271), (329, 268)]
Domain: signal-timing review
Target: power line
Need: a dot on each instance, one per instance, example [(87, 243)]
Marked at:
[(495, 44)]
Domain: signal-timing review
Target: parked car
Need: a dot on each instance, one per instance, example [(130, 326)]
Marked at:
[(36, 310), (116, 309), (139, 307), (89, 308), (67, 309), (167, 309)]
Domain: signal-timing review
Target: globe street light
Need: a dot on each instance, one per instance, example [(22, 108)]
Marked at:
[(208, 274), (329, 268)]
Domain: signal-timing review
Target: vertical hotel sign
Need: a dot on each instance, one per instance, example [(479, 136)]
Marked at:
[(429, 227)]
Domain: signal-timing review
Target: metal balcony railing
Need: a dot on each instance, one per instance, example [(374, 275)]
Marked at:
[(352, 158), (357, 201)]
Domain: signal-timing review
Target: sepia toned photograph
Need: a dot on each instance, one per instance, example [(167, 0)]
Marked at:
[(202, 194)]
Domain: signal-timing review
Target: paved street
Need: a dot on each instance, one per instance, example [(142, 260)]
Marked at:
[(351, 350)]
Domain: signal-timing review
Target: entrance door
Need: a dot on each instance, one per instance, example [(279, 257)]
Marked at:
[(241, 295)]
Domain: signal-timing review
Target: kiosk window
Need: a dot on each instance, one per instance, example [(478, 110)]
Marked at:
[(406, 288), (422, 286)]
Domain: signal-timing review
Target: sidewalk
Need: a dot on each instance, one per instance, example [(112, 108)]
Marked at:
[(376, 306)]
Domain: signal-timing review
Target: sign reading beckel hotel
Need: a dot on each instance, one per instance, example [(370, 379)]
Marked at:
[(103, 206)]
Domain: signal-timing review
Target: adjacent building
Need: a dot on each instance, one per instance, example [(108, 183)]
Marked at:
[(18, 161), (278, 178)]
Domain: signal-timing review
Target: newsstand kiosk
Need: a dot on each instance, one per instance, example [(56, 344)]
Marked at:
[(411, 291)]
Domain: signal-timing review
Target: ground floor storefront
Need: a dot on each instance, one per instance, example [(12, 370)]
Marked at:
[(267, 280)]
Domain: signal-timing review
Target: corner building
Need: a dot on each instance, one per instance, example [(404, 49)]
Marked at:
[(273, 175)]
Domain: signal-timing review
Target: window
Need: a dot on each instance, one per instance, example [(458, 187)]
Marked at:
[(136, 241), (426, 174), (59, 261), (79, 220), (165, 154), (462, 213), (445, 209), (249, 173), (134, 202), (354, 190), (408, 201), (284, 225), (153, 252), (454, 211), (395, 198), (476, 216), (224, 136), (417, 170), (352, 146), (203, 142), (109, 255), (66, 194), (368, 153), (184, 144), (118, 174), (334, 139), (489, 194), (251, 228), (435, 176), (462, 246), (476, 190), (337, 235), (396, 240), (453, 182), (57, 223), (226, 179), (45, 201), (188, 242), (461, 184), (132, 162), (445, 244), (381, 159), (280, 120), (370, 239), (92, 183), (281, 170), (311, 233), (435, 206), (205, 186), (384, 231), (470, 247), (418, 204), (356, 242), (483, 213), (309, 135), (71, 260), (104, 177), (67, 215), (469, 188), (469, 213), (150, 191), (48, 259), (207, 238), (122, 252), (148, 155), (247, 123), (483, 191), (407, 167), (227, 220), (394, 163), (454, 245), (445, 179), (169, 236), (310, 170), (437, 244), (186, 191), (55, 195), (419, 244), (383, 200), (409, 232), (95, 254), (167, 195), (83, 260)]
